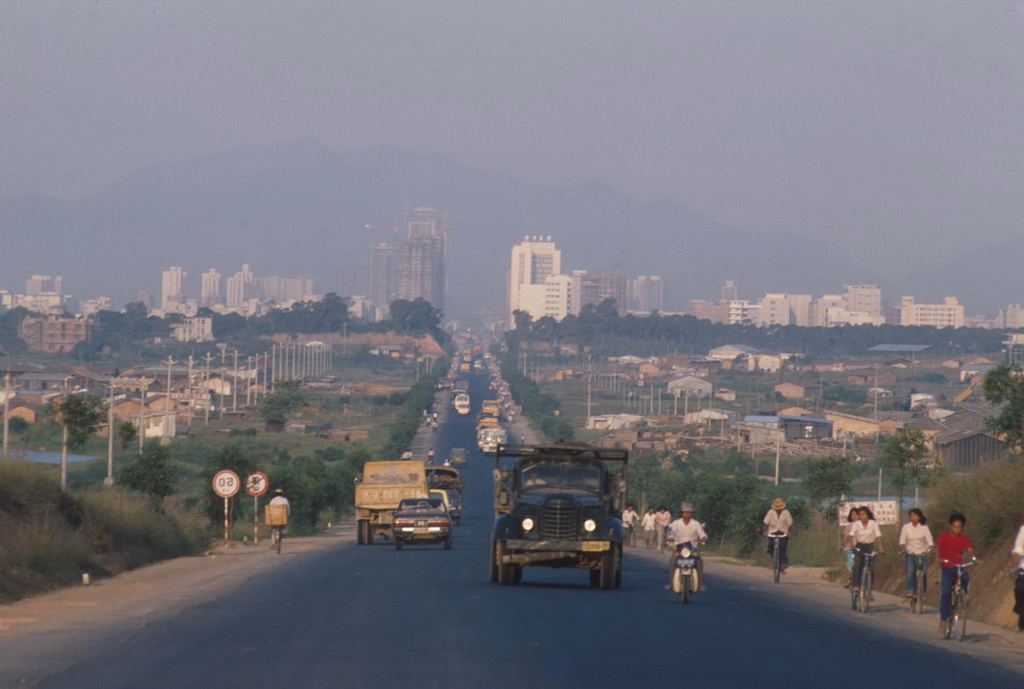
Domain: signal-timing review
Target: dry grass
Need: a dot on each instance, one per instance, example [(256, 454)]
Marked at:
[(49, 537)]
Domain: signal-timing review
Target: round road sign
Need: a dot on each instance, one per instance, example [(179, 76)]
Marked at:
[(257, 483), (226, 483)]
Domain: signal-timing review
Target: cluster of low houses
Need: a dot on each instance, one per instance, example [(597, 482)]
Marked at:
[(958, 438), (140, 396)]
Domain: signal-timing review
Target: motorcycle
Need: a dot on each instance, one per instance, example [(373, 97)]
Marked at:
[(686, 577)]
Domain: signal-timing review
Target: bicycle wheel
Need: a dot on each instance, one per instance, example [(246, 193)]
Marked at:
[(952, 607), (280, 537), (917, 604), (960, 617), (865, 590), (776, 562)]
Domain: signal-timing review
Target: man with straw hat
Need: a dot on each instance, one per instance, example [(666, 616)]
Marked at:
[(779, 522)]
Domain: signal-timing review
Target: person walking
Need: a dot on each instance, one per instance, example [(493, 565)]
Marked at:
[(915, 544), (662, 519), (629, 522), (649, 525), (779, 522), (1017, 563)]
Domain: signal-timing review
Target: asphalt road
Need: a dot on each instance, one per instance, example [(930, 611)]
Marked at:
[(372, 617)]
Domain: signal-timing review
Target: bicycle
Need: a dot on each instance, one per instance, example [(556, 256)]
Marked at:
[(776, 555), (957, 622), (920, 584), (276, 536), (861, 597)]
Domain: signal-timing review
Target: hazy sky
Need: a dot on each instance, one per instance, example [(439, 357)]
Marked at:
[(883, 125)]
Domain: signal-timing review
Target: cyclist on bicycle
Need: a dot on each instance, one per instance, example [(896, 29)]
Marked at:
[(915, 544), (950, 546), (864, 535), (779, 522), (281, 499)]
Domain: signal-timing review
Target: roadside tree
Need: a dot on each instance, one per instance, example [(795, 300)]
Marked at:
[(827, 480), (905, 455)]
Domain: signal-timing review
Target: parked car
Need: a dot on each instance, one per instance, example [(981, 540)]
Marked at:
[(422, 520)]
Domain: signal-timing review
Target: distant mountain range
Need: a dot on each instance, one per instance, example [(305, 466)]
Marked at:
[(302, 209)]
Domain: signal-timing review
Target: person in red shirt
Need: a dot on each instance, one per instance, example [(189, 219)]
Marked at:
[(950, 546)]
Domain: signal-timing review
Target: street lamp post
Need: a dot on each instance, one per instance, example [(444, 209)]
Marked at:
[(167, 402)]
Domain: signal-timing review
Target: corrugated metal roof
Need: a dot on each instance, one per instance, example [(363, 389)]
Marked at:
[(813, 419), (899, 348)]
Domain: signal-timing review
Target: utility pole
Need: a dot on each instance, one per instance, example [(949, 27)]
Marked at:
[(249, 371), (234, 386), (7, 405), (109, 480), (168, 401), (778, 452), (64, 442), (208, 358)]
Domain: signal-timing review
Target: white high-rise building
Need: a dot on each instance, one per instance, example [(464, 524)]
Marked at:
[(864, 298), (534, 260), (209, 293), (236, 285), (171, 294), (948, 314)]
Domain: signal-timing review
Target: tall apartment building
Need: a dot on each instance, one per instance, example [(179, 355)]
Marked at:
[(44, 284), (535, 260), (863, 298), (1013, 345), (646, 294), (283, 290), (209, 289), (1012, 317), (948, 314), (171, 289), (783, 309), (236, 295), (714, 311), (384, 274), (593, 288), (730, 292), (422, 255)]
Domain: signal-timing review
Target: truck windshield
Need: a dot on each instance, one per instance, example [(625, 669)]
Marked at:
[(559, 477)]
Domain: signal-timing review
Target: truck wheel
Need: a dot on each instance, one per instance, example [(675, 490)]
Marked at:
[(361, 532), (618, 568), (492, 569), (506, 572), (595, 577), (398, 544), (448, 543), (607, 575)]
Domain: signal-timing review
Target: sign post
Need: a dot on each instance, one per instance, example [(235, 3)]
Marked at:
[(256, 485), (226, 484)]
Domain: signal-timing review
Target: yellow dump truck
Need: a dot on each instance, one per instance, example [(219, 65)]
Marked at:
[(379, 490), (491, 408)]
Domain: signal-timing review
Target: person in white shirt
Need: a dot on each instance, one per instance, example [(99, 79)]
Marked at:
[(649, 525), (1017, 562), (864, 534), (629, 521), (687, 531), (779, 522), (915, 544)]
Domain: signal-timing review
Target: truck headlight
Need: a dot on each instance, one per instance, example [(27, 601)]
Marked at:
[(527, 524), (589, 525)]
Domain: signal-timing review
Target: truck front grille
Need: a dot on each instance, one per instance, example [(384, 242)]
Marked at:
[(559, 522)]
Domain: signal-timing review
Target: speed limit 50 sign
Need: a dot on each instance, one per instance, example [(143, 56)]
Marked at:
[(226, 483)]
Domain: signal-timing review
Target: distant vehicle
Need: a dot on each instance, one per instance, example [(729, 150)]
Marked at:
[(490, 438), (444, 478), (454, 505), (458, 456), (461, 404), (460, 385), (422, 520), (379, 490), (559, 506)]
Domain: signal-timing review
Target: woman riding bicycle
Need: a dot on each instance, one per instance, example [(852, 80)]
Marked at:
[(915, 543), (864, 535), (950, 546), (846, 544)]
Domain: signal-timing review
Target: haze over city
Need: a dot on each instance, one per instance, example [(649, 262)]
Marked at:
[(865, 143)]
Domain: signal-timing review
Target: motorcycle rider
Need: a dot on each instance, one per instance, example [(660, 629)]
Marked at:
[(687, 530)]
